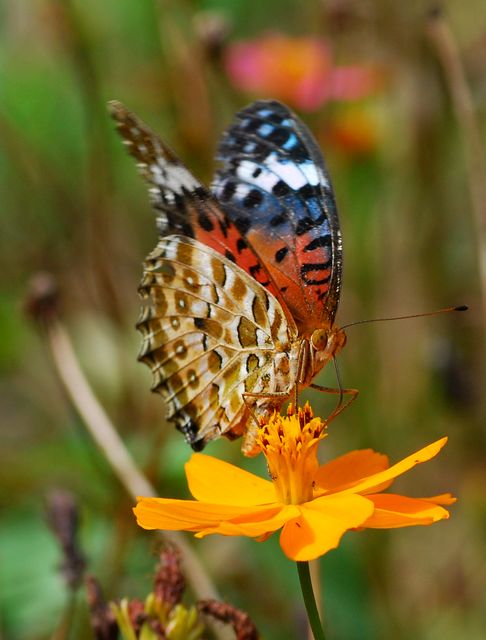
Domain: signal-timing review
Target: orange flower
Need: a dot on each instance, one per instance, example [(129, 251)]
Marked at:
[(313, 505), (299, 71), (355, 130)]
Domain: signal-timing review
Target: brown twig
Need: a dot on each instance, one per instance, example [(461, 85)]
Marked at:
[(241, 622), (102, 618), (63, 518), (94, 416), (448, 54)]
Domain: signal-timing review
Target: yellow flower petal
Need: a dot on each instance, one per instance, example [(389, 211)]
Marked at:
[(188, 515), (215, 481), (393, 511), (314, 506), (443, 498), (349, 469), (377, 480), (258, 522), (322, 524)]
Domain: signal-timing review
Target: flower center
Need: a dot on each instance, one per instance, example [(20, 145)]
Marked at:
[(290, 447)]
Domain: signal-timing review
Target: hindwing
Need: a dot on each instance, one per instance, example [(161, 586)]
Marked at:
[(211, 333)]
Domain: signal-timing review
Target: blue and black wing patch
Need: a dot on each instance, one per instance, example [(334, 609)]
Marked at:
[(274, 186)]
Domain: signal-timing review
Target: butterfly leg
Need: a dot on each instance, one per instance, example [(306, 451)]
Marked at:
[(341, 392), (248, 447), (247, 395)]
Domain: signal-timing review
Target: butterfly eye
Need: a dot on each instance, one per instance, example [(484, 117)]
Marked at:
[(342, 339), (319, 339)]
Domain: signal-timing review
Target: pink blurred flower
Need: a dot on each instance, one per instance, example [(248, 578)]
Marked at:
[(299, 71)]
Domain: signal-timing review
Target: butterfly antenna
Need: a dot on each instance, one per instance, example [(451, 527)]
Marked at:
[(338, 380), (462, 307)]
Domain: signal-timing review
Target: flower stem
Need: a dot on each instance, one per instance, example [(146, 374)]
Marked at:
[(310, 601)]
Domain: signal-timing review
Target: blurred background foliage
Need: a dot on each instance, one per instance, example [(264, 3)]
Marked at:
[(368, 78)]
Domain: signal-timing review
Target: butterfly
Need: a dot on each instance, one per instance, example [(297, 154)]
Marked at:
[(241, 292)]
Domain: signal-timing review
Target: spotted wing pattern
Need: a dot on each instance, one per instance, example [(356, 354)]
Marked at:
[(241, 277), (211, 333), (274, 186), (183, 204)]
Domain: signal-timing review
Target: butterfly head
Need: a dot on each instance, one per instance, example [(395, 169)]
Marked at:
[(326, 343)]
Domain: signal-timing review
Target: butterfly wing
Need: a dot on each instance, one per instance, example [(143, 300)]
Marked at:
[(214, 331), (210, 334), (274, 186), (184, 206)]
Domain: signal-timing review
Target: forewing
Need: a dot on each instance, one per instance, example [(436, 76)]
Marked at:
[(183, 204), (210, 334), (274, 186)]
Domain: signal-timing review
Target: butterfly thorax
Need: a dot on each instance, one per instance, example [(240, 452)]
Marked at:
[(316, 351)]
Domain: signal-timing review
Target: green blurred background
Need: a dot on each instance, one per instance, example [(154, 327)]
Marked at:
[(72, 205)]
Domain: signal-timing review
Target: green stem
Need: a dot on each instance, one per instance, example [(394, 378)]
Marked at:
[(310, 601)]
